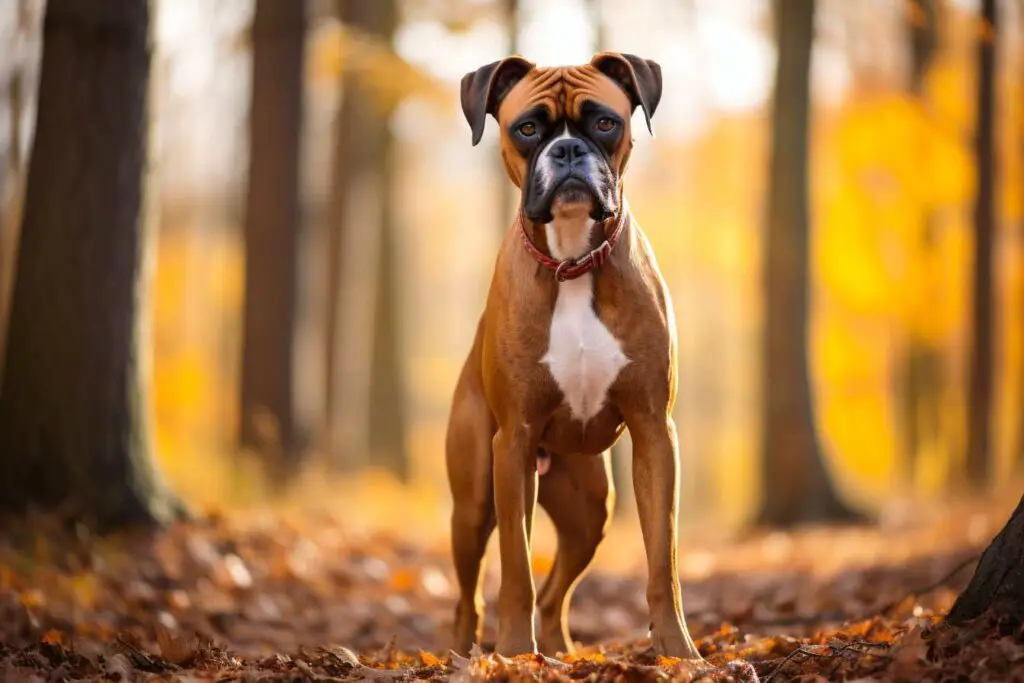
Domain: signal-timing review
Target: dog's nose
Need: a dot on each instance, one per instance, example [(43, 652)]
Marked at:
[(569, 150)]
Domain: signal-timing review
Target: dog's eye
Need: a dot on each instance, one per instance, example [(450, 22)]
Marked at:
[(528, 129), (605, 124)]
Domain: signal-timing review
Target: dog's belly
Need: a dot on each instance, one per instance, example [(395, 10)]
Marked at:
[(583, 356), (566, 435)]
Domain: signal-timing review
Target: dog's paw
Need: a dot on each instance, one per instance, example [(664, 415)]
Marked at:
[(555, 645), (510, 647), (678, 645)]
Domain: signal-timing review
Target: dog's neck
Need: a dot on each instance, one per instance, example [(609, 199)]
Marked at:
[(572, 233), (569, 233)]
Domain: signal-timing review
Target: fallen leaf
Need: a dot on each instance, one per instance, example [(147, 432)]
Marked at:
[(175, 649), (52, 637)]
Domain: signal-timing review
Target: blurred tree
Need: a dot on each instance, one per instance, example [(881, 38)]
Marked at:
[(267, 410), (920, 368), (10, 164), (365, 157), (74, 409), (797, 486), (998, 581), (979, 397), (510, 195), (344, 146), (1018, 446), (11, 172), (922, 17)]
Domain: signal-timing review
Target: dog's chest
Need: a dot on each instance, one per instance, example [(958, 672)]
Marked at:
[(583, 356)]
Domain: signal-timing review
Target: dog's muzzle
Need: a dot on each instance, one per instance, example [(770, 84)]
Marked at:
[(571, 170)]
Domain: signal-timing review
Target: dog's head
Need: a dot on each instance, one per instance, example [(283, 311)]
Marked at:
[(565, 131)]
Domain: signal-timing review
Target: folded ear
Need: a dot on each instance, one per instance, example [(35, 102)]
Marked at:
[(640, 78), (484, 89)]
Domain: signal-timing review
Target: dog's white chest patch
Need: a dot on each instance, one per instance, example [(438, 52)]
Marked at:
[(583, 356)]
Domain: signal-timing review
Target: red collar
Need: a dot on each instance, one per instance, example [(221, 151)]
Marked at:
[(570, 269)]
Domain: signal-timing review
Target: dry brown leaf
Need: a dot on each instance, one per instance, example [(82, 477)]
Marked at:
[(175, 649)]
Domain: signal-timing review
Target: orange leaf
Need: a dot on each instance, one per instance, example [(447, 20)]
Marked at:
[(668, 661), (595, 658), (403, 580), (52, 637), (429, 659), (32, 598)]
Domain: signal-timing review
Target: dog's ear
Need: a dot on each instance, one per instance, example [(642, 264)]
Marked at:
[(640, 78), (484, 89)]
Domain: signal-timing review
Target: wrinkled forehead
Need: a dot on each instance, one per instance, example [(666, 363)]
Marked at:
[(562, 92)]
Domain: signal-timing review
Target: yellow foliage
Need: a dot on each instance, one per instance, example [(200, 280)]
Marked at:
[(948, 83), (848, 262), (844, 356), (858, 430), (884, 234), (891, 252), (338, 49)]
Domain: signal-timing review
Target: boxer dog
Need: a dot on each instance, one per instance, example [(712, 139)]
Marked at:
[(577, 342)]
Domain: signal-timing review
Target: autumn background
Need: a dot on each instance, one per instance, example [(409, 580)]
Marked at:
[(320, 236)]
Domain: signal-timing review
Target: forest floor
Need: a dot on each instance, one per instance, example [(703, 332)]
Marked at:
[(266, 597)]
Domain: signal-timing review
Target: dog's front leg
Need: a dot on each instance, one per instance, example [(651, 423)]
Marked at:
[(656, 483), (515, 497)]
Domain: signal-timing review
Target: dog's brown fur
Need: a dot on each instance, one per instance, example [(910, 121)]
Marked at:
[(507, 407)]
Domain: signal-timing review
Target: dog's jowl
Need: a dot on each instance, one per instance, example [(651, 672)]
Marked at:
[(576, 343)]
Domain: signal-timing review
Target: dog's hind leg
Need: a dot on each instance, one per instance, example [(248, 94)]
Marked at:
[(578, 495), (470, 466)]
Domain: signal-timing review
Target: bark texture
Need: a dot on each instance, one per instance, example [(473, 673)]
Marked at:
[(74, 410), (797, 486), (979, 399), (272, 223), (365, 158), (998, 581)]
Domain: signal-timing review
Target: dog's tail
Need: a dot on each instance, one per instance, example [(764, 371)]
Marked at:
[(543, 462)]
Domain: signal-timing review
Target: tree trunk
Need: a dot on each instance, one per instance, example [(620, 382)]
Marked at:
[(998, 581), (388, 425), (344, 144), (1018, 449), (12, 166), (797, 486), (363, 171), (980, 388), (920, 370), (74, 408), (923, 25), (267, 411), (510, 196)]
